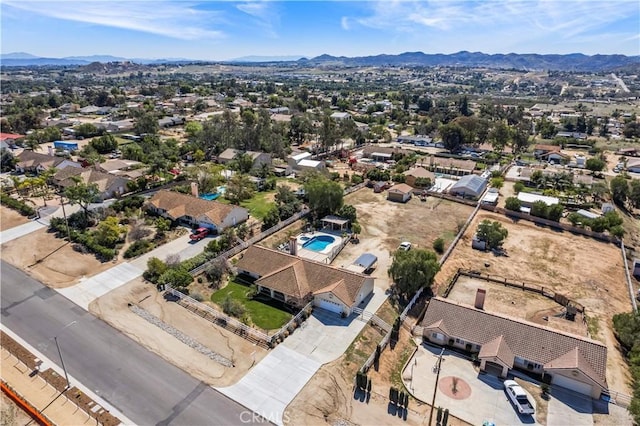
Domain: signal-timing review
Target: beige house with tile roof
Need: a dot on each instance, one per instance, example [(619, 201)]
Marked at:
[(34, 162), (298, 281), (196, 212), (109, 185), (503, 343)]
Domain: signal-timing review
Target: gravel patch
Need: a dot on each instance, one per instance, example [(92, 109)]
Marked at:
[(181, 336)]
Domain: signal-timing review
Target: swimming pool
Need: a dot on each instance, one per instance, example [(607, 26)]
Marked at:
[(210, 197), (319, 242)]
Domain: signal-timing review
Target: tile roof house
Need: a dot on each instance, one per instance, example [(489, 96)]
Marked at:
[(298, 281), (34, 162), (258, 157), (503, 343), (451, 166), (417, 172), (196, 212), (109, 185)]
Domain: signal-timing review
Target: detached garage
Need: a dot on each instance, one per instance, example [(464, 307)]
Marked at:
[(469, 186), (400, 193)]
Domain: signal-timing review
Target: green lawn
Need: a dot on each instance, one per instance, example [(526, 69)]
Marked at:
[(258, 205), (263, 315)]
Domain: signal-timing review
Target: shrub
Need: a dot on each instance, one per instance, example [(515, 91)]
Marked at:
[(197, 297), (19, 206), (134, 202), (137, 248), (139, 231), (518, 187), (232, 307), (176, 277), (438, 245), (513, 204), (356, 179)]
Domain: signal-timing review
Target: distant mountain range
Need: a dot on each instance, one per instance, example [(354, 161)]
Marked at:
[(528, 61)]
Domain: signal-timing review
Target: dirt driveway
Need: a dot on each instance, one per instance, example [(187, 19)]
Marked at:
[(584, 269)]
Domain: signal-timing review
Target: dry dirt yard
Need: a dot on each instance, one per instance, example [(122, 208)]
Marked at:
[(51, 260), (584, 269), (10, 218), (113, 308)]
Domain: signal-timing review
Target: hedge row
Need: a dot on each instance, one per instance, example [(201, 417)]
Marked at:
[(86, 239), (137, 248), (19, 206)]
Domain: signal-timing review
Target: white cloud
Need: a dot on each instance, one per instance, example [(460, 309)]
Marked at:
[(264, 13), (179, 20), (344, 22)]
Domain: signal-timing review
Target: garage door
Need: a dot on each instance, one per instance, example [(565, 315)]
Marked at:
[(328, 305), (569, 383)]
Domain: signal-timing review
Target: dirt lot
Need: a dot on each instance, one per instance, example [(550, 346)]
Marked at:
[(51, 260), (113, 309), (385, 224), (517, 303), (584, 269), (11, 414), (10, 218)]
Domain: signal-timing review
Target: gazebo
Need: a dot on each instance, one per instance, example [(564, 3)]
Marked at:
[(335, 223)]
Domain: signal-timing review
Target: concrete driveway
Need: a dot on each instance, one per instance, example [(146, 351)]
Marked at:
[(480, 397), (272, 384), (569, 408)]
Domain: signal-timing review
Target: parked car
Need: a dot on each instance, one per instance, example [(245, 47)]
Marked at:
[(404, 246), (518, 397), (199, 234)]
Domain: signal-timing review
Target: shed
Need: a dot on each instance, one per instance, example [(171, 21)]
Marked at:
[(400, 192), (469, 186), (587, 214)]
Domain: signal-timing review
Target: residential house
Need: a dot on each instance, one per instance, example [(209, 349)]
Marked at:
[(109, 185), (8, 140), (527, 200), (418, 173), (540, 149), (340, 116), (574, 135), (167, 122), (302, 162), (297, 281), (381, 153), (503, 343), (633, 165), (34, 162), (469, 186), (196, 212), (259, 158), (451, 166), (555, 157), (400, 192)]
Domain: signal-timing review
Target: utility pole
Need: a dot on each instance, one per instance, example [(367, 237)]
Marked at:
[(66, 376), (435, 388)]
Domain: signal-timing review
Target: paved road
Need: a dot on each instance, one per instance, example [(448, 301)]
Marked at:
[(137, 382)]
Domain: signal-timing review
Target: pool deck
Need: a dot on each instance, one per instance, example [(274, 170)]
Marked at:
[(318, 256)]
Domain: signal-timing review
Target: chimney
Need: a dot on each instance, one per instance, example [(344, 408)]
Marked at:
[(293, 246), (194, 189), (430, 160), (50, 148), (480, 294)]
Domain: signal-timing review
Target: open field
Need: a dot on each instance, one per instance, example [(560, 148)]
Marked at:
[(584, 269), (113, 308), (10, 218), (51, 260)]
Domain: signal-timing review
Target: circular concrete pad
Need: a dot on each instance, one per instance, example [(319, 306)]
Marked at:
[(463, 390)]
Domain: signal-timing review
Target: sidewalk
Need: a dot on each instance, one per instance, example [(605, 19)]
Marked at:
[(39, 393)]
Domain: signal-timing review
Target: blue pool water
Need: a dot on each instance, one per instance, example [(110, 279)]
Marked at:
[(319, 242), (210, 197)]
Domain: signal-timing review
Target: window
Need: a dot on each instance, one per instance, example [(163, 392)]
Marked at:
[(438, 336), (459, 341)]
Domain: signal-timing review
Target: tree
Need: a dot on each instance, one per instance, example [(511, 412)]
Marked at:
[(176, 277), (271, 218), (155, 268), (499, 136), (325, 196), (497, 182), (347, 211), (82, 194), (619, 190), (162, 225), (7, 160), (537, 178), (492, 233), (539, 209), (595, 164), (555, 212), (216, 272), (634, 193), (513, 204), (452, 136), (239, 188), (147, 123), (110, 232), (518, 187), (356, 229), (627, 331), (104, 144), (413, 269)]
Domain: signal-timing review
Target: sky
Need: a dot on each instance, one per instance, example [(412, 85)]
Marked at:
[(223, 30)]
